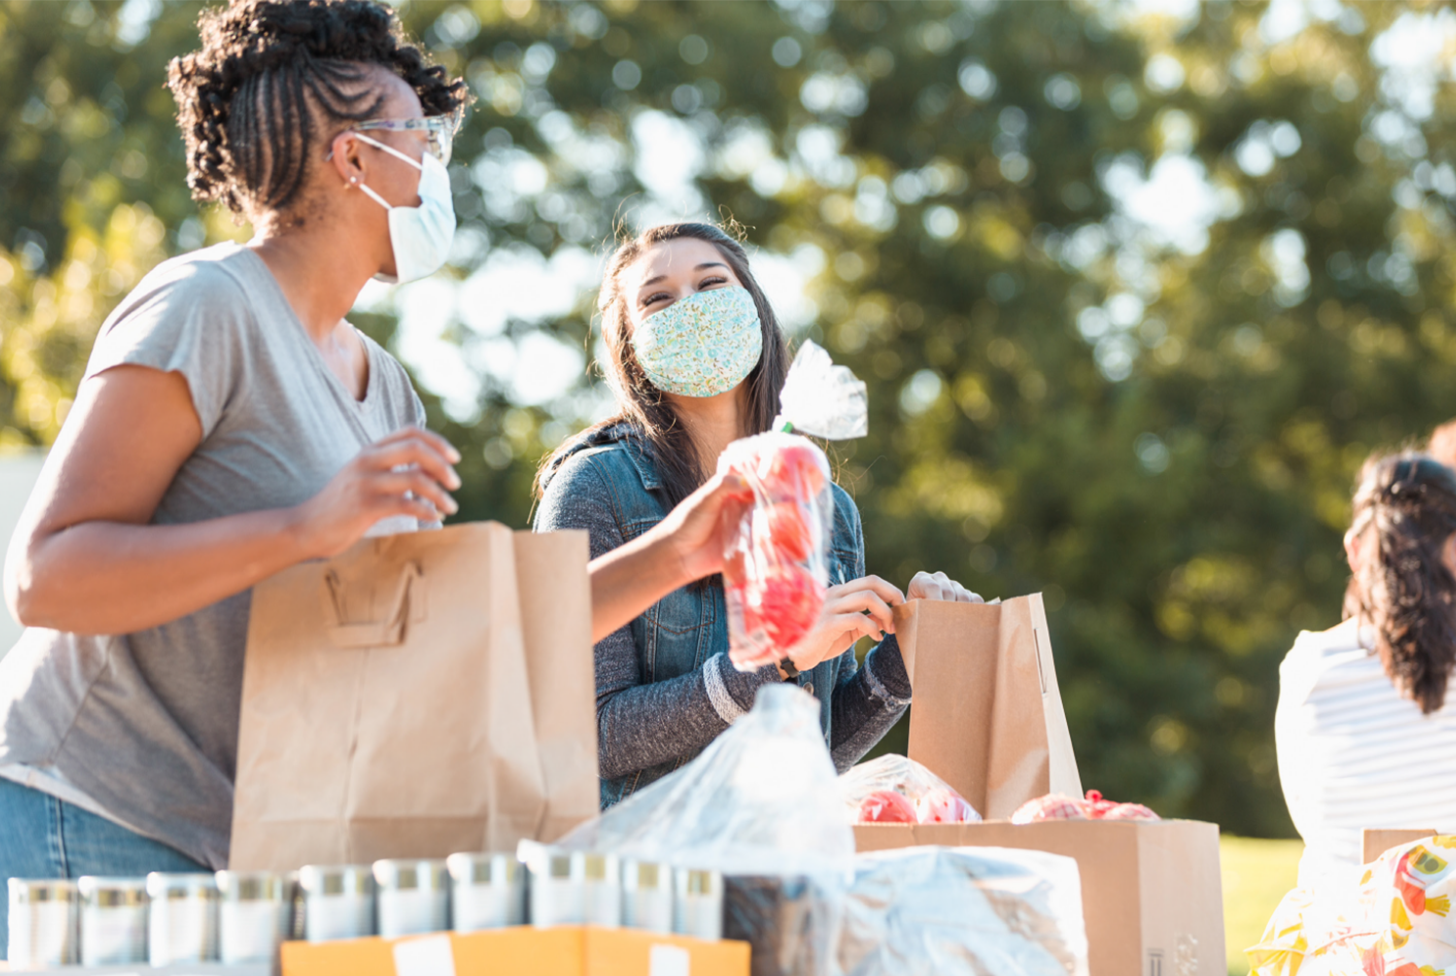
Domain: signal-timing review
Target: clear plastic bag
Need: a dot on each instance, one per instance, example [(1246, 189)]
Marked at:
[(1055, 806), (897, 789), (969, 911), (821, 399), (777, 550), (777, 545), (761, 805)]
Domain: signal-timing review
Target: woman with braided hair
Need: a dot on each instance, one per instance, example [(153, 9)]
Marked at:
[(232, 423), (1364, 734)]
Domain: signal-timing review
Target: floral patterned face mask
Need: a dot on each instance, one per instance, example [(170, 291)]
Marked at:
[(701, 345)]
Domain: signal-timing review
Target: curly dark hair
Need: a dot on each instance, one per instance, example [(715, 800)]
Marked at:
[(1404, 513), (274, 75), (640, 403)]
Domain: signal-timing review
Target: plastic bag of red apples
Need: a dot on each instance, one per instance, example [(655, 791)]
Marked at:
[(777, 550), (1055, 806), (895, 789), (777, 544)]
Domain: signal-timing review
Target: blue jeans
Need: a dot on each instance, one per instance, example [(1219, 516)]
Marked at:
[(43, 837)]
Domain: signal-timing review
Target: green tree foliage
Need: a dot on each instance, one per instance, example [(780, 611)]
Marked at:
[(1134, 292)]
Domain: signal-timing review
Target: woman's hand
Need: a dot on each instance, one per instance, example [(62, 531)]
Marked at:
[(685, 546), (859, 608), (695, 531), (938, 586), (407, 473)]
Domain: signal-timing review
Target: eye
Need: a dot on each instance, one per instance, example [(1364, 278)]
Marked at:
[(654, 297), (712, 282)]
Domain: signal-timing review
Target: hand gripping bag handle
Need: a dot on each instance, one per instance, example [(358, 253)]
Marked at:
[(406, 604)]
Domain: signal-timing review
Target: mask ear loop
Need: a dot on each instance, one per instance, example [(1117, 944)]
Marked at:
[(393, 152)]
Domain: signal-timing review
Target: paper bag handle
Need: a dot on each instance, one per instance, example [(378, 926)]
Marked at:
[(403, 606)]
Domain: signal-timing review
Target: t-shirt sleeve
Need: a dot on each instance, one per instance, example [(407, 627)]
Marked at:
[(191, 319)]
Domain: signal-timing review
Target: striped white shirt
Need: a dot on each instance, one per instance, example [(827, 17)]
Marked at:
[(1354, 754)]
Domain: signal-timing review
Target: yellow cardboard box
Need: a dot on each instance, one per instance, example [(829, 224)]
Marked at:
[(562, 951)]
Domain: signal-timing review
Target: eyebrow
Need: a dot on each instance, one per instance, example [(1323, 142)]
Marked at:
[(663, 277)]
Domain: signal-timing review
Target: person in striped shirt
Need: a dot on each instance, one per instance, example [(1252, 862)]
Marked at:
[(1364, 733)]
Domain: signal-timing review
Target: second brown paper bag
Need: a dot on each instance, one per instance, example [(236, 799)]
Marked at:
[(421, 694), (987, 716)]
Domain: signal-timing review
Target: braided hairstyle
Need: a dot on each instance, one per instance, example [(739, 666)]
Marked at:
[(274, 77), (1404, 513)]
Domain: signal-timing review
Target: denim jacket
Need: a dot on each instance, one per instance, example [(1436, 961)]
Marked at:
[(609, 484)]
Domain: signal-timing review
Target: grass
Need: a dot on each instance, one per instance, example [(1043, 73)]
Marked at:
[(1256, 876)]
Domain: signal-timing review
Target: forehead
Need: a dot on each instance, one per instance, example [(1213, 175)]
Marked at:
[(678, 256), (400, 100)]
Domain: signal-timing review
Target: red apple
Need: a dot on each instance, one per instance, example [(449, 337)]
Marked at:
[(943, 805), (886, 806)]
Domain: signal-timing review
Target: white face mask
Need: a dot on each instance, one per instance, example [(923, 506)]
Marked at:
[(420, 235)]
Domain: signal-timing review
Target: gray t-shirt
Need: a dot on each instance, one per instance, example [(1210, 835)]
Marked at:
[(146, 724)]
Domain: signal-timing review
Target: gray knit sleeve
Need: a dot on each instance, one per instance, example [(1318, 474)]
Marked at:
[(640, 725)]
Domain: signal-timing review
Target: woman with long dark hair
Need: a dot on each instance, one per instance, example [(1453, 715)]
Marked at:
[(232, 423), (696, 359), (1364, 732)]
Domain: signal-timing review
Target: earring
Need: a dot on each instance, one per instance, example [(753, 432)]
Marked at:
[(353, 180)]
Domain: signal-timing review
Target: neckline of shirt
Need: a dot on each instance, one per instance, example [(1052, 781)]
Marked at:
[(371, 384)]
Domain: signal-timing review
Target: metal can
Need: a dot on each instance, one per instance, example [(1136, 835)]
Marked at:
[(488, 891), (113, 921), (253, 915), (698, 905), (557, 885), (647, 896), (414, 897), (44, 923), (338, 901), (602, 894), (182, 919)]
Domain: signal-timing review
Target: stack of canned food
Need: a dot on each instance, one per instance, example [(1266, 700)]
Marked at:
[(241, 917)]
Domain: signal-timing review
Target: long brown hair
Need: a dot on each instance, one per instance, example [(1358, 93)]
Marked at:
[(642, 405), (1404, 513)]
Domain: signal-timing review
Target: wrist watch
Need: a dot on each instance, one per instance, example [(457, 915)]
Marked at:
[(786, 665)]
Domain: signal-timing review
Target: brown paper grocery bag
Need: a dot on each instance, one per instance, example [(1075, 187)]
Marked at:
[(387, 703), (555, 595), (987, 716)]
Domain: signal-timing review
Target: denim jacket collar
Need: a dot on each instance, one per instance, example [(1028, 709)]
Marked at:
[(637, 449)]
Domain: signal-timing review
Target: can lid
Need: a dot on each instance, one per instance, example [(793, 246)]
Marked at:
[(697, 882), (644, 874), (398, 874), (483, 869), (250, 885), (598, 867), (35, 891), (173, 886), (336, 879), (112, 892)]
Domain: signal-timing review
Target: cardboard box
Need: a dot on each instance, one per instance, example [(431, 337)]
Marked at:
[(1152, 893), (1375, 841), (561, 951)]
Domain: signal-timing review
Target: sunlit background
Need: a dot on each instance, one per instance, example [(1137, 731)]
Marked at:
[(1135, 286)]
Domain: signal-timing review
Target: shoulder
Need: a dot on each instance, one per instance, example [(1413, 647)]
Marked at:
[(1317, 648), (599, 452), (1325, 659), (220, 271), (203, 286)]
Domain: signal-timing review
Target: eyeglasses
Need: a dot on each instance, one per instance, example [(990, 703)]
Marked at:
[(439, 130)]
